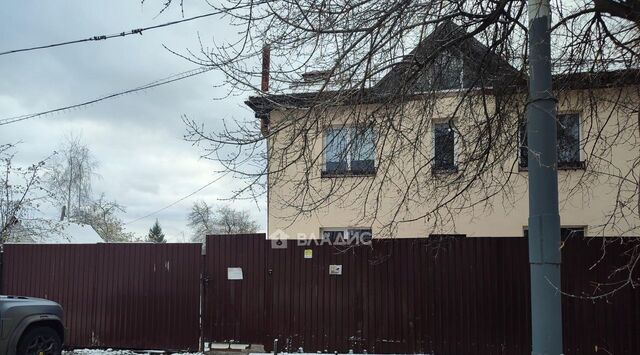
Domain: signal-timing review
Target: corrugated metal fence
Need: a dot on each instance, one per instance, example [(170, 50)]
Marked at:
[(437, 295), (132, 296), (403, 296), (234, 310)]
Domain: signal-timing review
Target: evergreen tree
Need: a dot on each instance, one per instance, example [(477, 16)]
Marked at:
[(155, 234)]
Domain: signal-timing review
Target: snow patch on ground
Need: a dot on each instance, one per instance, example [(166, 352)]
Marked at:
[(117, 352)]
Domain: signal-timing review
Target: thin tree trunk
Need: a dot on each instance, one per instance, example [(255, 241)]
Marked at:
[(69, 186)]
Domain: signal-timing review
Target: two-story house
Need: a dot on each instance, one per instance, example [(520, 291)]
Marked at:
[(438, 146)]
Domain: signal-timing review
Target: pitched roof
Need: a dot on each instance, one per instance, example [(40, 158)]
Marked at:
[(480, 63)]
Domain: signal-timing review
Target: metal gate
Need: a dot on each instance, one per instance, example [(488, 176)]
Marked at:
[(234, 278)]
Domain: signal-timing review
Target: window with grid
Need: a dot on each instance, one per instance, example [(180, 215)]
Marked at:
[(349, 150), (444, 151), (445, 72), (568, 140)]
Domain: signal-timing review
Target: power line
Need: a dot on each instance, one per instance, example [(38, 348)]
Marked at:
[(177, 201), (105, 37), (163, 81)]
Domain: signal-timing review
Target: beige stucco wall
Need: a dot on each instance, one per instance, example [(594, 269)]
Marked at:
[(586, 197)]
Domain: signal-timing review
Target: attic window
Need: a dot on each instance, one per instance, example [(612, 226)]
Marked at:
[(446, 72)]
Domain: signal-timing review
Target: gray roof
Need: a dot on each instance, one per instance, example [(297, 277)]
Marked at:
[(482, 68)]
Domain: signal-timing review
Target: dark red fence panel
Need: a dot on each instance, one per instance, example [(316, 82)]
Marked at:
[(440, 296), (436, 295), (130, 296), (601, 311), (63, 273), (445, 296), (233, 310)]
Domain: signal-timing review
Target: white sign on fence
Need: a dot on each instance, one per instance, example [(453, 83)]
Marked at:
[(234, 273)]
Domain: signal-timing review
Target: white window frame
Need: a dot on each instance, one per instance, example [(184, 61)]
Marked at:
[(344, 230), (349, 158)]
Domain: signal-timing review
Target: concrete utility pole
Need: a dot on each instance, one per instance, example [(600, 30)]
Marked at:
[(544, 216)]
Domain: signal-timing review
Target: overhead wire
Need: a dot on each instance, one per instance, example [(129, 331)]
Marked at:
[(177, 201), (163, 81), (137, 31)]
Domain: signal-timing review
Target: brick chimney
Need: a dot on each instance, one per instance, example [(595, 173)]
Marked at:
[(266, 63)]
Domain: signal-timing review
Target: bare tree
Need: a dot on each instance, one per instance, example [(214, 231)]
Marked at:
[(70, 176), (21, 196), (382, 65), (200, 220), (204, 220), (228, 220)]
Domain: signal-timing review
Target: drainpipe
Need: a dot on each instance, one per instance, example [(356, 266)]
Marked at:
[(544, 216)]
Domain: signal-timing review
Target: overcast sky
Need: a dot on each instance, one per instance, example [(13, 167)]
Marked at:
[(143, 162)]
